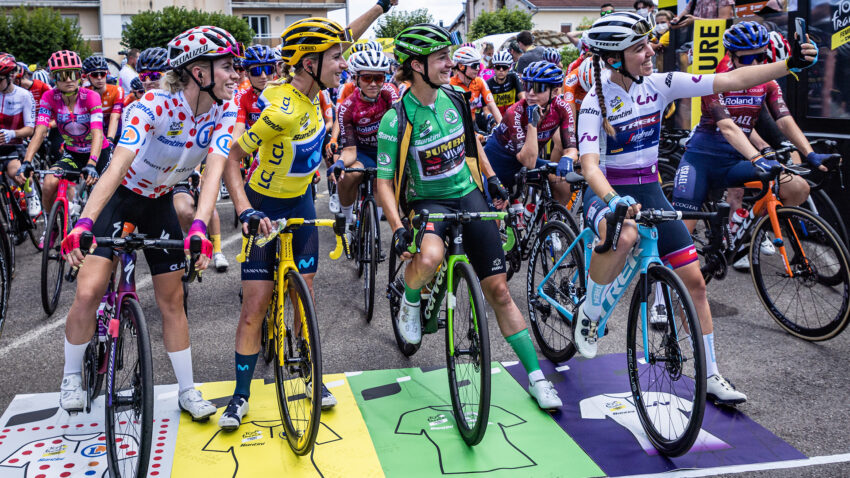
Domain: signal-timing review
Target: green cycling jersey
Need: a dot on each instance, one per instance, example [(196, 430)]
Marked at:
[(435, 165)]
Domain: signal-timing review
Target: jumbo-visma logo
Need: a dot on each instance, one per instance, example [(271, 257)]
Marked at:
[(130, 135), (204, 135)]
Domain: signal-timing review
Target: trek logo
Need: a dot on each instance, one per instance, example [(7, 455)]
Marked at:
[(585, 136), (649, 99), (640, 123), (622, 281)]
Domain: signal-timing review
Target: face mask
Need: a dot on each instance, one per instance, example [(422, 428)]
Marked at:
[(488, 58), (643, 12), (661, 29)]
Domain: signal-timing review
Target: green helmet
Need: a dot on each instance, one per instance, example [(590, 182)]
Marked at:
[(423, 39)]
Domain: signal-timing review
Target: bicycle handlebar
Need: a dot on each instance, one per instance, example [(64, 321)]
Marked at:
[(285, 226), (424, 217)]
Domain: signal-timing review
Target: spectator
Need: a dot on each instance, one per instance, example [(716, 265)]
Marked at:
[(605, 9), (575, 36), (514, 50), (644, 8), (704, 9), (489, 49), (525, 41), (659, 39), (128, 72)]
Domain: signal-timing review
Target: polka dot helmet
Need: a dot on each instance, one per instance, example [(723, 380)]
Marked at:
[(202, 42)]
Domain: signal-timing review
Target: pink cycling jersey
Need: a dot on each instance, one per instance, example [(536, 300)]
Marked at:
[(359, 119), (510, 134), (75, 125)]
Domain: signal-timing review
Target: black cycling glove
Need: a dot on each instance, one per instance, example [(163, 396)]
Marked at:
[(401, 241), (496, 189)]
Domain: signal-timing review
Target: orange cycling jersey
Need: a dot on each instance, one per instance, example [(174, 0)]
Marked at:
[(481, 94), (346, 91), (326, 106), (129, 99), (113, 99), (573, 92)]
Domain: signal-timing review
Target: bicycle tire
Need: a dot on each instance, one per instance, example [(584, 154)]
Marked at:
[(52, 253), (9, 230), (5, 283), (827, 211), (395, 293), (369, 244), (823, 251), (557, 212), (551, 243), (266, 344), (129, 415), (39, 222), (92, 380), (296, 406), (683, 374), (472, 326)]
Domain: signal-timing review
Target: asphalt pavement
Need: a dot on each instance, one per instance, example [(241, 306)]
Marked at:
[(797, 390)]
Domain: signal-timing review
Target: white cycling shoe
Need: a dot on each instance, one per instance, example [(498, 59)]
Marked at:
[(409, 325), (544, 392), (231, 418), (585, 334), (191, 401), (333, 203), (742, 264), (71, 393), (767, 247), (220, 262), (328, 399), (722, 391)]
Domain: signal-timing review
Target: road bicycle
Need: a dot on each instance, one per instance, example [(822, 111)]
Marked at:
[(666, 365), (64, 213), (366, 243), (464, 317), (5, 279), (291, 330), (803, 280), (13, 212), (119, 353)]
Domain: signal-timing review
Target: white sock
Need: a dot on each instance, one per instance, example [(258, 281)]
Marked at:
[(593, 299), (182, 363), (348, 211), (710, 358), (380, 213), (536, 376), (74, 357)]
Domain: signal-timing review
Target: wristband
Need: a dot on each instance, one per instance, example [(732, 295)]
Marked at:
[(608, 197), (198, 226), (93, 159), (85, 223), (756, 157)]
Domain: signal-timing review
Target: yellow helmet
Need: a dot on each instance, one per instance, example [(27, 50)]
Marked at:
[(312, 35)]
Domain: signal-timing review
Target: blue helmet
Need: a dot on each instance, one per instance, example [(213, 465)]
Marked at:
[(258, 55), (746, 36), (153, 59), (543, 72)]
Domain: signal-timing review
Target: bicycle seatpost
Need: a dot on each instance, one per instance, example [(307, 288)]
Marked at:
[(614, 221)]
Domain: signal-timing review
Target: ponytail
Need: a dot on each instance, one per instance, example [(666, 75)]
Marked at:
[(597, 79)]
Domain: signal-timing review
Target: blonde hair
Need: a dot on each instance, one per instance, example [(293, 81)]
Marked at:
[(176, 80)]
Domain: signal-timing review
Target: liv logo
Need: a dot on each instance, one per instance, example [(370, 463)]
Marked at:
[(649, 99), (585, 136), (696, 79)]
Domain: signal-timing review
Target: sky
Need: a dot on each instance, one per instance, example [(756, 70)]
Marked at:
[(445, 10)]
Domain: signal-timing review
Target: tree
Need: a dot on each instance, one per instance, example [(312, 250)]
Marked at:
[(500, 21), (157, 28), (391, 24), (569, 54), (33, 34)]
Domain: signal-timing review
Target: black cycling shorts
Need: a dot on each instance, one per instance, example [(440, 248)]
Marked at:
[(73, 161), (154, 217), (481, 239)]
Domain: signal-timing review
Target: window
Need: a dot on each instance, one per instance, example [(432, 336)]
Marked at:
[(566, 27), (74, 17), (260, 25), (290, 19), (126, 20)]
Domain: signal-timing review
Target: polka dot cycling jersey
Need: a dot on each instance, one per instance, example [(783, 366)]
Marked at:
[(169, 142), (636, 116), (359, 119), (510, 134), (75, 124)]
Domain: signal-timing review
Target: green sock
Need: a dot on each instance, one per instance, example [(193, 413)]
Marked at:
[(412, 295), (524, 349)]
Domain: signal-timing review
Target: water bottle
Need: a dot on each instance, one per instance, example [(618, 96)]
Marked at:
[(33, 201), (519, 210), (529, 210), (737, 220), (74, 210)]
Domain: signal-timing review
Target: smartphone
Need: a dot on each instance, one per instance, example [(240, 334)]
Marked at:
[(800, 35)]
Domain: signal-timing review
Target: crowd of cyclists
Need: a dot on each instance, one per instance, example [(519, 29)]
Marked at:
[(265, 120)]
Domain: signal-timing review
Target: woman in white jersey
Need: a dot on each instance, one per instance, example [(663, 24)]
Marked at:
[(619, 128), (166, 134)]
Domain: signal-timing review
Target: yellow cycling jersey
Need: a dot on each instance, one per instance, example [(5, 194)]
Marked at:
[(289, 135)]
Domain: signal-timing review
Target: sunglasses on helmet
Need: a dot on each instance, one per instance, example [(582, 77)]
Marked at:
[(372, 78), (259, 70), (644, 26), (749, 59), (67, 75), (150, 75), (98, 74), (537, 87)]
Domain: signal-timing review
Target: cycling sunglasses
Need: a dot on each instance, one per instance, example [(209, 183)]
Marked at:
[(369, 79), (67, 75), (98, 74), (537, 87), (606, 12), (259, 70), (501, 68), (749, 59), (644, 26), (150, 75), (474, 66), (238, 68)]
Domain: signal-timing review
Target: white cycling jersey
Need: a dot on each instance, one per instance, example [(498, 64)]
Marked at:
[(17, 110), (636, 116), (169, 142)]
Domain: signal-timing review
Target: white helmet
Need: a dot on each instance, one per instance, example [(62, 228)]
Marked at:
[(585, 74), (367, 45), (42, 76), (778, 48), (466, 55), (202, 42), (504, 57), (369, 60), (617, 31), (277, 54)]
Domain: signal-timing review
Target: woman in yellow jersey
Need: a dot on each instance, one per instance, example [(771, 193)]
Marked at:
[(288, 137)]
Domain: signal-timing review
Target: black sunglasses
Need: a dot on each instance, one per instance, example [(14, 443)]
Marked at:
[(259, 70), (537, 87)]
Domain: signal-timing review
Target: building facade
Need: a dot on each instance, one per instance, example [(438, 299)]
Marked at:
[(101, 21), (555, 15)]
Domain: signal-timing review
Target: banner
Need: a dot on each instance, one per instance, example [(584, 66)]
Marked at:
[(708, 51), (746, 8), (387, 43), (840, 23)]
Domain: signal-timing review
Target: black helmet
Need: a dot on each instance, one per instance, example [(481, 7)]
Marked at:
[(153, 59), (95, 63), (136, 84)]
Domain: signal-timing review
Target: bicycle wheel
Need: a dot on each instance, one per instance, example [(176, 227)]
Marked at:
[(38, 222), (52, 263), (92, 379), (129, 395), (5, 282), (551, 329), (667, 375), (469, 363), (557, 212), (814, 302), (368, 256), (9, 246), (298, 363), (395, 293), (826, 210)]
